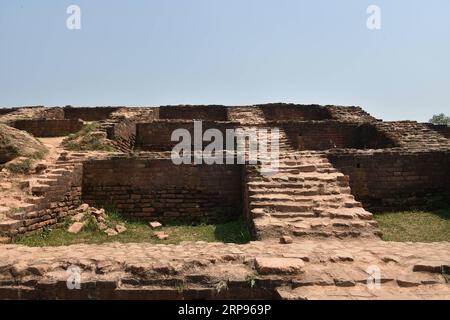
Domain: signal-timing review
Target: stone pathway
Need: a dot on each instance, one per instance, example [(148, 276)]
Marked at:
[(303, 270)]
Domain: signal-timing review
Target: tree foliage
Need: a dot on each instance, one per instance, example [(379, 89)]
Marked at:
[(440, 119)]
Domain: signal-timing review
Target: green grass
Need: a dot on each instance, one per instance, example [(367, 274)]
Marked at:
[(25, 166), (139, 231), (20, 167), (415, 226), (39, 155), (83, 140)]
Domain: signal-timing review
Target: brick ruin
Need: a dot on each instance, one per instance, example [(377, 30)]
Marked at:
[(337, 165)]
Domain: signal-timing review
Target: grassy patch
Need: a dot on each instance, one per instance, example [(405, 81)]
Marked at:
[(21, 166), (87, 140), (415, 226), (138, 231), (39, 155)]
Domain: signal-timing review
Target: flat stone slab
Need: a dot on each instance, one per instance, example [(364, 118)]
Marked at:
[(76, 227), (155, 224), (279, 265)]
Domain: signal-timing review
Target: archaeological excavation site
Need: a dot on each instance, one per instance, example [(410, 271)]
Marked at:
[(93, 206)]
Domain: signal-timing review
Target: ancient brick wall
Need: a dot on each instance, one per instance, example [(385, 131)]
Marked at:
[(370, 137), (89, 114), (49, 128), (51, 114), (54, 213), (158, 189), (281, 111), (136, 114), (324, 135), (123, 133), (156, 136), (442, 129), (385, 180), (350, 114), (212, 112)]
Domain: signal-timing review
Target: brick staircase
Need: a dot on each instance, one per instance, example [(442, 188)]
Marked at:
[(306, 198), (47, 191)]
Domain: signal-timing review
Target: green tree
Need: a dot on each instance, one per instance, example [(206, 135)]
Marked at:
[(440, 119)]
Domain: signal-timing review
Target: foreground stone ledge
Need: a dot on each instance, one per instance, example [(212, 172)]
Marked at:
[(200, 270)]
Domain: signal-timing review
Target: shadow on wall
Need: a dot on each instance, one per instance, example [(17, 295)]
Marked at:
[(396, 180), (283, 112), (325, 135), (89, 114), (201, 112)]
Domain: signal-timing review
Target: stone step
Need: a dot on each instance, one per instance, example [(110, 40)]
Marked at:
[(309, 190), (319, 165), (298, 172), (35, 200), (293, 178), (60, 171), (282, 206), (274, 228), (343, 199), (63, 165), (318, 223), (360, 213), (53, 176), (293, 162), (7, 225), (16, 215), (291, 185), (293, 215), (335, 233), (38, 189), (47, 181), (287, 191)]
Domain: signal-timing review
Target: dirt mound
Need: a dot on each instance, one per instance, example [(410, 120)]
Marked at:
[(16, 143)]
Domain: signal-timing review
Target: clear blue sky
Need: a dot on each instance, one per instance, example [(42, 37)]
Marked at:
[(154, 52)]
